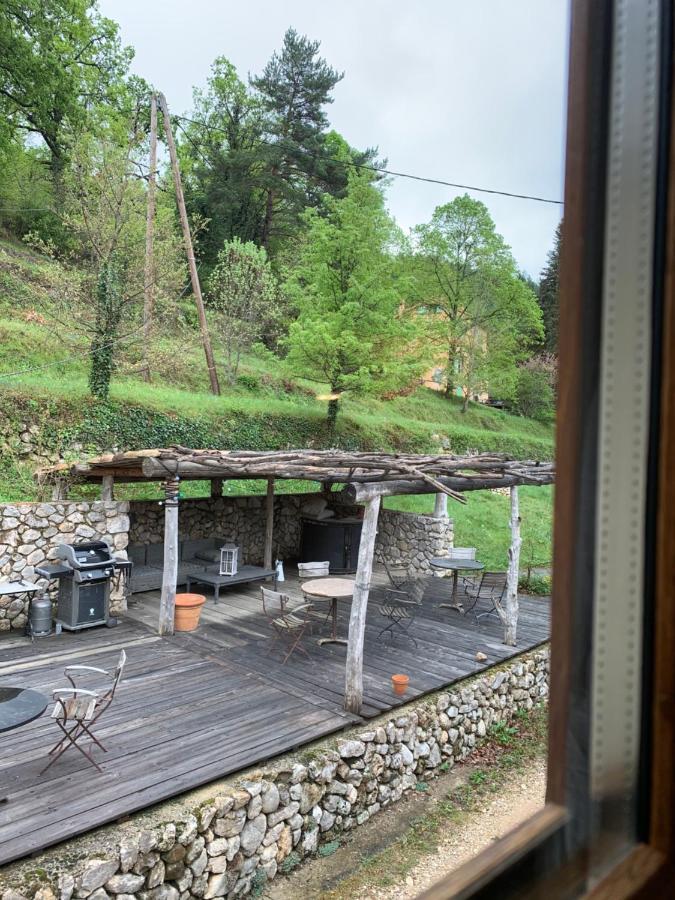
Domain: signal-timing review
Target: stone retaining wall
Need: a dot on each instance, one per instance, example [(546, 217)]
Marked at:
[(412, 538), (30, 533), (266, 821)]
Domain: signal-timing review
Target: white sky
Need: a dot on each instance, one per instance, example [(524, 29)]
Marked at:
[(470, 91)]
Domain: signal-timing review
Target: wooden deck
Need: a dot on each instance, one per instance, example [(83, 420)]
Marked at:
[(196, 707)]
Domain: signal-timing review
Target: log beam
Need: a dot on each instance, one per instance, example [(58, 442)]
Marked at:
[(170, 573), (357, 619), (269, 523)]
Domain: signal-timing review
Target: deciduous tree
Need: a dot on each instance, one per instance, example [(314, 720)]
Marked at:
[(469, 290), (245, 296), (350, 333)]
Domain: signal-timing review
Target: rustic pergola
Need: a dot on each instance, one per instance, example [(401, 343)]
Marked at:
[(365, 478)]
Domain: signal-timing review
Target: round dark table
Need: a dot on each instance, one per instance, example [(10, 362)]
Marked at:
[(455, 566), (19, 706)]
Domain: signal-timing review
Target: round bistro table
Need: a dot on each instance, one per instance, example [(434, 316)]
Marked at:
[(455, 566), (333, 589), (19, 706)]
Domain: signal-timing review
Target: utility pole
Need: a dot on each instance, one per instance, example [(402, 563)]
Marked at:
[(194, 277), (149, 273)]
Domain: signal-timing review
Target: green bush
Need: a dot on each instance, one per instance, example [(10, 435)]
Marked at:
[(534, 395)]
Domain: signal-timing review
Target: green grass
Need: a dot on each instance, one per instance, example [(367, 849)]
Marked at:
[(483, 522), (267, 408)]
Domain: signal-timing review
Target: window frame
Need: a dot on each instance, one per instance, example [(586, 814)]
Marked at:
[(551, 845)]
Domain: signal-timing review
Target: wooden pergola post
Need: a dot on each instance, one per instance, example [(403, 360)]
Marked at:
[(170, 573), (510, 616), (441, 506), (107, 487), (217, 487), (357, 620), (269, 523)]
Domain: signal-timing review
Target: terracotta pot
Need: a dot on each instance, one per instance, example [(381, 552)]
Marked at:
[(188, 610), (399, 683)]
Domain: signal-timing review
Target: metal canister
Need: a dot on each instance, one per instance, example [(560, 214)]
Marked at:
[(40, 616)]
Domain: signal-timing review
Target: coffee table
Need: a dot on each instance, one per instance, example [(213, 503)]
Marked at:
[(215, 580), (19, 706), (455, 566), (332, 589)]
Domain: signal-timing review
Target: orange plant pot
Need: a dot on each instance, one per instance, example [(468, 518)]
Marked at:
[(400, 683), (187, 611)]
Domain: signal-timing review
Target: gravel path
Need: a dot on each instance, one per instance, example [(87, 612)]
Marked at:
[(515, 802)]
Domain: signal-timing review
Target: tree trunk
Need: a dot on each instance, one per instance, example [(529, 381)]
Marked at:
[(511, 609), (267, 221), (450, 371), (465, 403), (332, 414)]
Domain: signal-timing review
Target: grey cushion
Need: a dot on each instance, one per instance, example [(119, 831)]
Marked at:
[(155, 555), (137, 554)]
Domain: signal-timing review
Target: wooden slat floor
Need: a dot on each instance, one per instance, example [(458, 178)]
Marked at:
[(196, 707)]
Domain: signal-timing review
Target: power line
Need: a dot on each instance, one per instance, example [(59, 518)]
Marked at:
[(382, 170)]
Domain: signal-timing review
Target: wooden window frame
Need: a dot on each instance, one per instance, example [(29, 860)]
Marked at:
[(546, 855)]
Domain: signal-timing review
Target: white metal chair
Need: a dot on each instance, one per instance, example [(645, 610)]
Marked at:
[(287, 625), (310, 570), (76, 709)]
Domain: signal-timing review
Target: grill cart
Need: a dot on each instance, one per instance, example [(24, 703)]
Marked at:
[(84, 576)]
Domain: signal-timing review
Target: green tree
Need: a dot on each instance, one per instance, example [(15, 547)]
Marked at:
[(349, 333), (61, 59), (225, 162), (294, 88), (468, 288), (549, 294), (245, 296)]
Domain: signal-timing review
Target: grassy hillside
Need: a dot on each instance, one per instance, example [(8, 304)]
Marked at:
[(43, 382)]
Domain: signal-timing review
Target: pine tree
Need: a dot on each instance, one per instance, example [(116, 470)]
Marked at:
[(294, 88), (549, 294)]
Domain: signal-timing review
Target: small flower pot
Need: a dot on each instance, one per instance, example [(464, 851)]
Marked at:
[(187, 611), (400, 683)]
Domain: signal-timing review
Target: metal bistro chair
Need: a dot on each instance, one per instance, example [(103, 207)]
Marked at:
[(288, 626), (491, 587), (400, 607), (308, 571), (77, 710), (398, 572)]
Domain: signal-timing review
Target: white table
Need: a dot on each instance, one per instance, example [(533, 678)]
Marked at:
[(333, 589)]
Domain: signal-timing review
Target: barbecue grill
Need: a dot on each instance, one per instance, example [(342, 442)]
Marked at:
[(84, 577)]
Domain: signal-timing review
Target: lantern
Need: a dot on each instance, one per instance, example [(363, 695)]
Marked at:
[(229, 557)]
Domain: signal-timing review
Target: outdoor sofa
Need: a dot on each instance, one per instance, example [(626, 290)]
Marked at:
[(148, 561)]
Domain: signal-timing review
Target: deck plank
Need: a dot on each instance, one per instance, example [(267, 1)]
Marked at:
[(196, 707)]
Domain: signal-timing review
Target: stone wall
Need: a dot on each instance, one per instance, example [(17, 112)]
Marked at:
[(405, 536), (30, 533), (240, 520), (245, 832), (412, 538)]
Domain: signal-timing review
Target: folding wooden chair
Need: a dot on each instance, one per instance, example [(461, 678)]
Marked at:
[(399, 607), (491, 587), (77, 710), (287, 625)]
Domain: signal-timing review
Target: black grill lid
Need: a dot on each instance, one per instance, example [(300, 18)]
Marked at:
[(89, 555)]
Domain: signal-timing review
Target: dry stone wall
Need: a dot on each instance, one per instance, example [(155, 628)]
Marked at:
[(30, 533), (413, 539), (240, 520), (269, 820)]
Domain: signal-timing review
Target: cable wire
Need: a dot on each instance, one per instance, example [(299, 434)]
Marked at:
[(382, 170)]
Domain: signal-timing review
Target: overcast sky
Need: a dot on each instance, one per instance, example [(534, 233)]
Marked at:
[(470, 91)]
